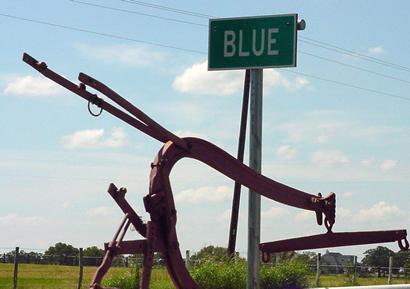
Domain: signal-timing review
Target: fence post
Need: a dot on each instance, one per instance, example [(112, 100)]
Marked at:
[(126, 262), (187, 257), (390, 270), (318, 269), (354, 270), (80, 264), (16, 267)]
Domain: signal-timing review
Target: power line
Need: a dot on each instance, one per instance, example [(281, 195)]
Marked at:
[(340, 50), (308, 41), (200, 52), (354, 67), (348, 84), (169, 9), (101, 33), (139, 13), (356, 53)]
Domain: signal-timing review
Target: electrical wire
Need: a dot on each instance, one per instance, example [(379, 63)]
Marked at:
[(353, 53), (169, 9), (354, 67), (139, 13), (203, 53), (307, 40), (357, 55), (101, 33), (341, 83)]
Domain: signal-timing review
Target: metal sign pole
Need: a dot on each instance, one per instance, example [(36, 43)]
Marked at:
[(255, 162)]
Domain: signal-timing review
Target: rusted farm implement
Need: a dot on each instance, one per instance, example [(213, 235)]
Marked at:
[(160, 232)]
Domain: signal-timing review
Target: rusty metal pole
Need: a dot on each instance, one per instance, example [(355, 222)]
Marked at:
[(233, 228), (255, 163)]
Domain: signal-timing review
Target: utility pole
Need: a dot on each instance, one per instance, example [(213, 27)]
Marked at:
[(255, 163)]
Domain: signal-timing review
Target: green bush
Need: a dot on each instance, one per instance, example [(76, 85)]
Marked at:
[(220, 275), (286, 275), (124, 280), (232, 275)]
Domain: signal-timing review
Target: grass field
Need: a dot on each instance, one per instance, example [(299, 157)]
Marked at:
[(66, 277)]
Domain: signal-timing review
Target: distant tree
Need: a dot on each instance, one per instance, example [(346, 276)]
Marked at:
[(30, 257), (378, 257), (308, 258), (284, 256), (400, 259), (211, 253), (62, 254), (93, 256)]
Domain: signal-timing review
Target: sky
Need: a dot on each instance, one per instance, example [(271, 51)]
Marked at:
[(338, 122)]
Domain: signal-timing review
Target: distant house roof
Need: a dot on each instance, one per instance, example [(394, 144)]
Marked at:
[(335, 258)]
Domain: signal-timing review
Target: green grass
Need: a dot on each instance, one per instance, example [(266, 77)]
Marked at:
[(344, 280), (66, 277), (31, 276)]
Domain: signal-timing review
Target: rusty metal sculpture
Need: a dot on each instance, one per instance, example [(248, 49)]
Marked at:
[(160, 232)]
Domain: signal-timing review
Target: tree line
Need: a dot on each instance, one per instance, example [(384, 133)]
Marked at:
[(59, 254), (66, 254)]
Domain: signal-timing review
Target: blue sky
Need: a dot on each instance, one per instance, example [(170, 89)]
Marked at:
[(318, 135)]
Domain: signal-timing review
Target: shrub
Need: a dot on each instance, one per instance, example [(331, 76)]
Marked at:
[(232, 275), (222, 275), (286, 275), (123, 280)]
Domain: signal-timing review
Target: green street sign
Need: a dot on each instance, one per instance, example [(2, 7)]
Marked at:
[(252, 42)]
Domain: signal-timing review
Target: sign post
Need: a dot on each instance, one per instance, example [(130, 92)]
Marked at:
[(254, 43), (255, 163)]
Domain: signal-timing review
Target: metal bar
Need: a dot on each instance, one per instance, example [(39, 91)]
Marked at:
[(124, 231), (241, 149), (333, 240), (148, 257), (120, 230), (127, 209), (255, 163), (90, 81), (81, 91)]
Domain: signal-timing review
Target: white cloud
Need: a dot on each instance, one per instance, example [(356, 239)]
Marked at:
[(379, 211), (343, 213), (376, 50), (188, 133), (321, 127), (132, 55), (31, 86), (286, 152), (388, 165), (92, 138), (273, 78), (347, 194), (205, 194), (199, 81), (16, 220), (304, 215), (274, 213), (330, 158), (367, 162), (101, 212)]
